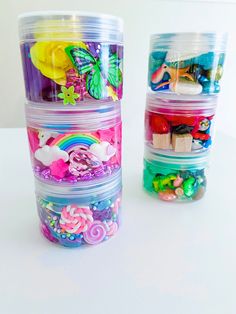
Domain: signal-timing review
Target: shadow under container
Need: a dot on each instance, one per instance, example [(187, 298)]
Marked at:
[(72, 56), (74, 144), (180, 126), (186, 63), (83, 214), (175, 178)]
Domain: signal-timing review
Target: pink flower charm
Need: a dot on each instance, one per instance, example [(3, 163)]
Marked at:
[(58, 168), (76, 219)]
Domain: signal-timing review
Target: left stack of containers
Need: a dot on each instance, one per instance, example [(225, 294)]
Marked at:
[(72, 65)]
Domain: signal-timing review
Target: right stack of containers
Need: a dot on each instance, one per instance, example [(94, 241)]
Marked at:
[(185, 70)]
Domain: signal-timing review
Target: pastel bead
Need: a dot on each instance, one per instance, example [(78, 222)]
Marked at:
[(178, 181), (167, 195), (179, 192)]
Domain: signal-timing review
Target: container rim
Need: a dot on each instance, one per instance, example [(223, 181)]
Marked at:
[(207, 33), (82, 105), (189, 41), (188, 159), (168, 101), (80, 189), (70, 26), (105, 115), (68, 13)]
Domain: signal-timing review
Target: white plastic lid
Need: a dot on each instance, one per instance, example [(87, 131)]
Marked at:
[(189, 42), (70, 25)]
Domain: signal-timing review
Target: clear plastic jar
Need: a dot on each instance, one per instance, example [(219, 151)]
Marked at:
[(174, 178), (179, 125), (85, 214), (71, 56), (186, 63), (76, 144)]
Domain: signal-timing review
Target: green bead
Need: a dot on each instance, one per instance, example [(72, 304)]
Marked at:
[(188, 186)]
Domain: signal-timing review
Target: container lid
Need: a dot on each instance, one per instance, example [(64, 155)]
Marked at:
[(167, 103), (189, 42), (81, 189), (70, 25), (188, 160), (88, 116)]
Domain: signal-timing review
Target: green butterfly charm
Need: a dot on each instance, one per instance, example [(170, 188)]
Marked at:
[(98, 75)]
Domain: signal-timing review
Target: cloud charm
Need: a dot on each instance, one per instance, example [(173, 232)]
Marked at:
[(48, 154), (103, 151)]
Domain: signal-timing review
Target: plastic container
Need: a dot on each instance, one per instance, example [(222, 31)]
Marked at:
[(179, 126), (85, 214), (71, 56), (74, 144), (172, 178), (186, 63)]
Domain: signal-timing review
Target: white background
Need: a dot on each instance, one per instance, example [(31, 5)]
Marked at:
[(141, 18), (167, 258)]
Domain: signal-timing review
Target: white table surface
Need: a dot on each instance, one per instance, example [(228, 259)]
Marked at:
[(167, 258)]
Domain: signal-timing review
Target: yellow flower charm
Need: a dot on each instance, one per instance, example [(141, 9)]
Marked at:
[(50, 58), (68, 95)]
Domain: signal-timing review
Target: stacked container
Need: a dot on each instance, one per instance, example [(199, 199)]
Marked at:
[(185, 70), (72, 64)]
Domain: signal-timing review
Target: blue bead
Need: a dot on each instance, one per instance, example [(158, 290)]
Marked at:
[(203, 80), (208, 87), (104, 204), (217, 87)]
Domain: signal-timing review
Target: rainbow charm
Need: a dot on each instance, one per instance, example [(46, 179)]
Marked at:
[(69, 142)]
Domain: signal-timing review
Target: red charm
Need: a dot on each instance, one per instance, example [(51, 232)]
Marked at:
[(178, 120), (201, 136), (158, 124)]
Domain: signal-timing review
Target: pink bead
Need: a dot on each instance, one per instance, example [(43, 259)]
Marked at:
[(178, 181), (116, 206), (167, 195)]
